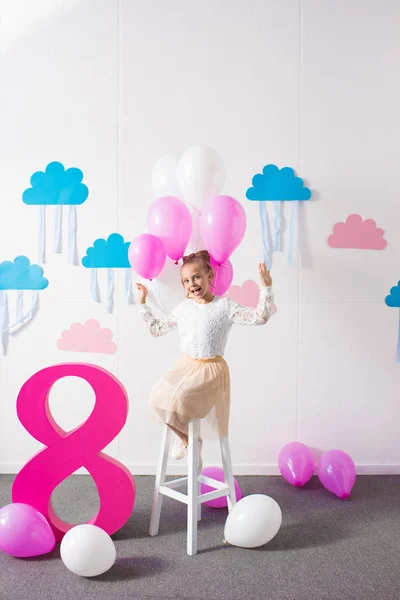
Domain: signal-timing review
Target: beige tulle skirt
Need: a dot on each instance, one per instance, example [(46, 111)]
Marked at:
[(193, 389)]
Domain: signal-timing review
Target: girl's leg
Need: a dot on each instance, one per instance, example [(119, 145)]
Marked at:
[(180, 435)]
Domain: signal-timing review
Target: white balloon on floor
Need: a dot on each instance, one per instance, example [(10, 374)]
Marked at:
[(87, 550), (253, 521)]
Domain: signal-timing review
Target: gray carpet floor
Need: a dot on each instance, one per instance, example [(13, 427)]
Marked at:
[(326, 549)]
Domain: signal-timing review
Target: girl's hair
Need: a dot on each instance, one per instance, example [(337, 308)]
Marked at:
[(203, 257)]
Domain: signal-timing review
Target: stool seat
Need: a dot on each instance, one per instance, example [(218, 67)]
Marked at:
[(193, 499)]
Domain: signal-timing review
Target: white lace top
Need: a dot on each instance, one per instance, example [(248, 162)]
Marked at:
[(204, 328)]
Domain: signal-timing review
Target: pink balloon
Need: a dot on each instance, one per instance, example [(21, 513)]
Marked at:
[(222, 226), (218, 474), (147, 255), (24, 531), (170, 220), (296, 463), (223, 277), (337, 473)]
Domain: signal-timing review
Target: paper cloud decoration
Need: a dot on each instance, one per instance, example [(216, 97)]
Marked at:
[(21, 275), (356, 233), (57, 186), (277, 185), (87, 337), (393, 300), (109, 254), (18, 275), (248, 294)]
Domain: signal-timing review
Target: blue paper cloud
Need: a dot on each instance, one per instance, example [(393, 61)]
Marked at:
[(393, 299), (111, 253), (56, 186), (21, 275), (277, 184)]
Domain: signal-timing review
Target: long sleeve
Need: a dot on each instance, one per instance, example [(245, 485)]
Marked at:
[(245, 315), (157, 327)]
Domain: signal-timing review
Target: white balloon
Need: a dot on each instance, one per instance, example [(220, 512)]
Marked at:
[(200, 174), (166, 290), (253, 521), (87, 550), (164, 176), (196, 242)]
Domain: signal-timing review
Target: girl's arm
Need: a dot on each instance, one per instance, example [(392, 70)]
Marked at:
[(156, 326), (245, 315)]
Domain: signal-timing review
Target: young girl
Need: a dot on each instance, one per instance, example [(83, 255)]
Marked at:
[(198, 386)]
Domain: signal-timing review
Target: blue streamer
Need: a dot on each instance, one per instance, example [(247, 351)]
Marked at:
[(4, 320), (94, 285), (110, 290), (277, 225), (57, 230), (128, 285), (264, 233), (72, 249), (20, 305), (398, 342), (292, 230)]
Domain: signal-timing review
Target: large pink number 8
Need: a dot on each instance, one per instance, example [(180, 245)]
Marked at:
[(68, 451)]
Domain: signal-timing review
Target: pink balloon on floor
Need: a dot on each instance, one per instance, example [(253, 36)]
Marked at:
[(24, 531), (170, 220), (223, 277), (147, 255), (222, 226), (337, 473), (218, 474), (296, 463)]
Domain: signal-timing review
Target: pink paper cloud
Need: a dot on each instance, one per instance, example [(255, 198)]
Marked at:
[(356, 233), (248, 294), (87, 337)]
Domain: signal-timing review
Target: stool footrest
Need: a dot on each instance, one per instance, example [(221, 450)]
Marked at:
[(173, 494), (175, 483)]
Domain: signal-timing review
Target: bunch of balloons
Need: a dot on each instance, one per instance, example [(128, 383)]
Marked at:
[(189, 214), (86, 550), (336, 469)]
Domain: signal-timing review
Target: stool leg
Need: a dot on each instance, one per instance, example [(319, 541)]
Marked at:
[(160, 480), (192, 513), (228, 473)]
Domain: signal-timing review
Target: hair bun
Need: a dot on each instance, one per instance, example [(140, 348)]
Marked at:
[(202, 254)]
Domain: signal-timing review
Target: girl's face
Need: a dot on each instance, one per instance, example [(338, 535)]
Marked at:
[(196, 280)]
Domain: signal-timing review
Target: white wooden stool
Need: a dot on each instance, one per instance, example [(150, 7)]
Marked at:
[(193, 498)]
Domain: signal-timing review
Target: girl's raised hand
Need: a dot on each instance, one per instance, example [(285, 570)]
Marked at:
[(265, 276), (141, 294)]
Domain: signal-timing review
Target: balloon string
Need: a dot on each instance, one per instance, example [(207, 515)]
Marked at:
[(264, 233)]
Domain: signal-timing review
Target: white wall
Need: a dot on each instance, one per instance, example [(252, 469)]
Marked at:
[(109, 87)]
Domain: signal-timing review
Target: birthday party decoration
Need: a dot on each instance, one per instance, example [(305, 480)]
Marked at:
[(217, 474), (253, 521), (21, 276), (108, 254), (169, 219), (222, 226), (66, 452), (164, 176), (277, 185), (200, 175), (147, 255), (223, 275), (356, 233), (296, 463), (57, 186), (24, 532), (87, 550), (337, 473), (247, 294), (393, 300), (87, 337)]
